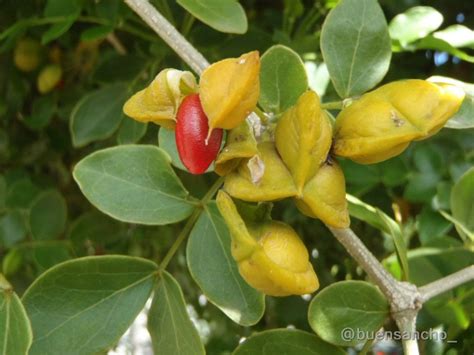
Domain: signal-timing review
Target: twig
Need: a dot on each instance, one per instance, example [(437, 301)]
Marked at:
[(169, 34), (190, 223), (447, 283), (115, 42), (368, 262)]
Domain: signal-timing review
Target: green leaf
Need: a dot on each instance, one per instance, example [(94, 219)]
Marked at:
[(430, 264), (415, 23), (134, 183), (94, 227), (462, 203), (120, 68), (131, 131), (394, 172), (48, 215), (167, 142), (98, 114), (96, 32), (69, 10), (287, 342), (450, 313), (47, 255), (428, 159), (21, 193), (14, 324), (12, 228), (378, 219), (83, 306), (211, 265), (355, 305), (171, 330), (356, 46), (222, 15), (430, 42), (457, 36), (3, 193), (459, 225), (55, 8), (421, 187), (282, 79), (43, 109), (464, 118), (431, 225), (57, 30), (12, 261)]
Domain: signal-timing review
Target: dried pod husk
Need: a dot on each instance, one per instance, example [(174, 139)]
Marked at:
[(261, 178), (270, 255), (159, 102), (324, 196), (382, 123), (229, 90), (303, 138), (240, 144)]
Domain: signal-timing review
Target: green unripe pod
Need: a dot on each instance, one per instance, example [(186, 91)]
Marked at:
[(48, 78), (27, 54)]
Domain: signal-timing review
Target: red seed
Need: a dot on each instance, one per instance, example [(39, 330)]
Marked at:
[(191, 131)]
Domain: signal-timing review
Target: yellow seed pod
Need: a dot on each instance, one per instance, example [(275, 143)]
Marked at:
[(324, 196), (240, 144), (261, 178), (48, 78), (27, 54), (426, 105), (159, 102), (270, 256), (243, 244), (382, 123), (229, 90), (303, 138)]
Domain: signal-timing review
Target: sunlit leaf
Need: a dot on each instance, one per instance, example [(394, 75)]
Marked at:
[(86, 304), (134, 183), (171, 330), (355, 44), (355, 305)]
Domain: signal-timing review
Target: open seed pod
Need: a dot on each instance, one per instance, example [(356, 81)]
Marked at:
[(240, 144), (159, 102)]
